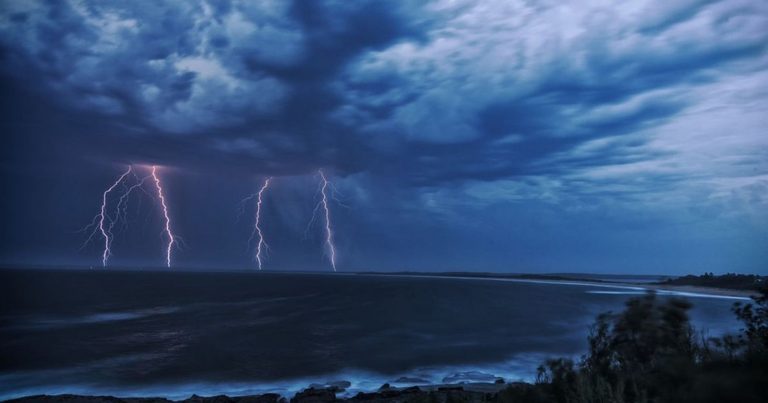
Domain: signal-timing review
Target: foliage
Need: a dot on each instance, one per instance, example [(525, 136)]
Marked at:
[(651, 353), (730, 280)]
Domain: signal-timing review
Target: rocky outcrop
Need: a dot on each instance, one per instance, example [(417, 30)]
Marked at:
[(313, 395), (85, 399), (317, 393), (265, 398)]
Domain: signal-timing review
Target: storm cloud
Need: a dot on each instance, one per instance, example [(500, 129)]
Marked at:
[(496, 130)]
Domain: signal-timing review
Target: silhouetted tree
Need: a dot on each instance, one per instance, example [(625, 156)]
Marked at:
[(755, 319), (649, 353)]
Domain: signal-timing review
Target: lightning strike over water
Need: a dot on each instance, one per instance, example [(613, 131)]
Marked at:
[(169, 233), (261, 244), (121, 212), (107, 232), (328, 232)]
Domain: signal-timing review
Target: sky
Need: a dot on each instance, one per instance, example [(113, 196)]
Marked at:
[(512, 136)]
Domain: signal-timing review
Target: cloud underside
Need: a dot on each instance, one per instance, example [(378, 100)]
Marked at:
[(498, 100)]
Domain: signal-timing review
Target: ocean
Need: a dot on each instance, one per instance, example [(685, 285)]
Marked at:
[(172, 333)]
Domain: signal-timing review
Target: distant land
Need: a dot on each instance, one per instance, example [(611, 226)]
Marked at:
[(726, 284), (731, 281)]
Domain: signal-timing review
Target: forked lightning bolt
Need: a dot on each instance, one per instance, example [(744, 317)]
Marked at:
[(328, 231), (121, 210), (168, 232), (106, 232), (104, 224), (261, 244)]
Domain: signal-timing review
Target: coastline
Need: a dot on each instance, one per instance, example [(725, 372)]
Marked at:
[(346, 385), (713, 291), (668, 289), (464, 390), (439, 393)]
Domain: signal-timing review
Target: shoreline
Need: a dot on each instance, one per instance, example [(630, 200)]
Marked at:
[(490, 378), (680, 290), (372, 391), (583, 279), (329, 393), (713, 291)]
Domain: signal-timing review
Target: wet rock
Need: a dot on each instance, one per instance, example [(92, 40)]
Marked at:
[(265, 398), (84, 399), (335, 386), (465, 393), (415, 394), (340, 384), (388, 394), (407, 379), (210, 399), (313, 395)]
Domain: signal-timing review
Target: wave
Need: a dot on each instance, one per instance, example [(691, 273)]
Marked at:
[(520, 368), (670, 293), (95, 318)]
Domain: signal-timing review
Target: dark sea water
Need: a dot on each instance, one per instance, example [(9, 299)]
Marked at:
[(177, 333)]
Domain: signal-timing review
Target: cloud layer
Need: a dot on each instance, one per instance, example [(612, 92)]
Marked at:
[(643, 111)]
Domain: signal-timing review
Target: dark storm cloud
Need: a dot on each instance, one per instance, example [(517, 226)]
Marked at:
[(466, 109), (277, 86), (235, 82), (440, 117)]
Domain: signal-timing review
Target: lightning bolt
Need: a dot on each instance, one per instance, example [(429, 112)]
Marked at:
[(328, 232), (121, 211), (169, 233), (261, 244), (104, 224), (102, 218)]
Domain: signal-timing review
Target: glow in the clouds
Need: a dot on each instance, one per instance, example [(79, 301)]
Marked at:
[(107, 232), (261, 244), (328, 231), (168, 232)]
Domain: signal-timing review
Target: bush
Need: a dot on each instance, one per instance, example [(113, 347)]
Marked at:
[(650, 353)]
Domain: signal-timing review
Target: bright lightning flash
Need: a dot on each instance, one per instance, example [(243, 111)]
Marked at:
[(328, 231), (121, 210), (168, 232), (106, 230), (261, 244)]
